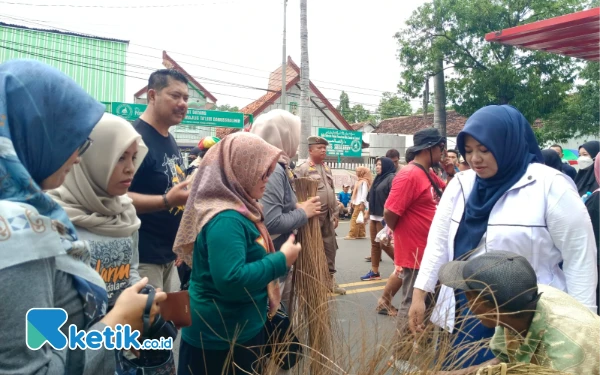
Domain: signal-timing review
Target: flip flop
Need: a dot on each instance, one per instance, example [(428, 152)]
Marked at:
[(389, 311)]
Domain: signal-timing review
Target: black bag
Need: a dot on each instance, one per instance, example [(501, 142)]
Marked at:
[(281, 340)]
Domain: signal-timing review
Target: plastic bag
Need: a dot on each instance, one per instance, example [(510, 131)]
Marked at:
[(360, 219), (384, 236)]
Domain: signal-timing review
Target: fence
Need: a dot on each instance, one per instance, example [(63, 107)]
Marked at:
[(351, 166)]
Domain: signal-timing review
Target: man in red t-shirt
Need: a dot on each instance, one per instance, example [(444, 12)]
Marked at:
[(410, 207)]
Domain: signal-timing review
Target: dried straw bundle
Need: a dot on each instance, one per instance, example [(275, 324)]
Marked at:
[(311, 289), (518, 369)]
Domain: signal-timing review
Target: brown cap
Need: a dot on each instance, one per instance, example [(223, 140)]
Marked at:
[(315, 140)]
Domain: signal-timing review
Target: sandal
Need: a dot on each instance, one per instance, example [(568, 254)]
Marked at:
[(367, 259), (387, 310)]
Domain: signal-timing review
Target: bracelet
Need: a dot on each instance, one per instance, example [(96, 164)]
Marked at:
[(165, 201)]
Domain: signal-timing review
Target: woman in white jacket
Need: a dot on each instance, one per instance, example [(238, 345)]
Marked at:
[(508, 201)]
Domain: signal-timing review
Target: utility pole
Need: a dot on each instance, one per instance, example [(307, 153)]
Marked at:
[(304, 84), (426, 97), (439, 85), (283, 62)]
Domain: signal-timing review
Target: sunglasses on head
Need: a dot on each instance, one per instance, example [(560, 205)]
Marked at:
[(84, 147)]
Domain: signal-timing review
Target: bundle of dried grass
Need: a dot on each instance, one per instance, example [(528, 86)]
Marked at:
[(518, 369), (312, 281)]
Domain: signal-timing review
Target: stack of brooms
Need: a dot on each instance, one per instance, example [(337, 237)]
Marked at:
[(311, 290)]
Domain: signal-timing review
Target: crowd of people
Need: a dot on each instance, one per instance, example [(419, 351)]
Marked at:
[(93, 210)]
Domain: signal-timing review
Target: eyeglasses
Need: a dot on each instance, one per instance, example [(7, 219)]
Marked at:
[(442, 147), (83, 148)]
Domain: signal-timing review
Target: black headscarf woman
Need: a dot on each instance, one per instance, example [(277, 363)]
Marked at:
[(585, 179)]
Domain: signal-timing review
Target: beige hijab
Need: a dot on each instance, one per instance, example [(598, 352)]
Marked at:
[(364, 175), (227, 172), (281, 129), (83, 195)]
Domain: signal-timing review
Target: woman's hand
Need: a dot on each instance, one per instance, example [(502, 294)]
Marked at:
[(311, 207), (130, 306), (291, 250)]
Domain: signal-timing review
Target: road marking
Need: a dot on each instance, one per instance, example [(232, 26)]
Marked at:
[(363, 283), (363, 290)]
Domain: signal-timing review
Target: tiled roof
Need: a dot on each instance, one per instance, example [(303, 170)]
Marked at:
[(412, 124), (169, 63), (275, 77), (360, 125)]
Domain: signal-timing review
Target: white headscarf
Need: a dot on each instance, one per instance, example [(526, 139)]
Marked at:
[(281, 129), (83, 194)]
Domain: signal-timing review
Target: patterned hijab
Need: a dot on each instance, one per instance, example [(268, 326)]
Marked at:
[(45, 117), (227, 172)]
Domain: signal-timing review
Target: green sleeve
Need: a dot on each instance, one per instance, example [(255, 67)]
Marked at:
[(234, 278)]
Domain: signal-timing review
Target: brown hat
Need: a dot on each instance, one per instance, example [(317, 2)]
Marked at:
[(315, 140)]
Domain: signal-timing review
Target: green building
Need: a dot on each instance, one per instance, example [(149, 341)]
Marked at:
[(97, 64)]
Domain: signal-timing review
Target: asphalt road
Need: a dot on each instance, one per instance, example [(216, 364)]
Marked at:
[(363, 330)]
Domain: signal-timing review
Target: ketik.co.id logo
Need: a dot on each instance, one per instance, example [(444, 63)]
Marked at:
[(43, 326)]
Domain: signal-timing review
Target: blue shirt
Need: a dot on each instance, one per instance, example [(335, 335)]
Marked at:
[(344, 198)]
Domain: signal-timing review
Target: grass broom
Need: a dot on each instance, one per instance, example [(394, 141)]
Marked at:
[(312, 286)]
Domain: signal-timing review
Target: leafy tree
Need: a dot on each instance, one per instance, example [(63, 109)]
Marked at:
[(344, 107), (486, 73), (359, 114), (429, 110), (579, 114), (227, 108), (391, 106)]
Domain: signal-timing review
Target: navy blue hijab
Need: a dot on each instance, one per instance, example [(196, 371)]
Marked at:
[(505, 132)]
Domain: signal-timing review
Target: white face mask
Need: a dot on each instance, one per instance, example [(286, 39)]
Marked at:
[(584, 162)]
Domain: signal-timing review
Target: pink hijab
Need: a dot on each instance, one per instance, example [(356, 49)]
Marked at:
[(227, 172), (597, 171)]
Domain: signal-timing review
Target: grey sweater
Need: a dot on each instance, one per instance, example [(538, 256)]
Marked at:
[(39, 284), (279, 206)]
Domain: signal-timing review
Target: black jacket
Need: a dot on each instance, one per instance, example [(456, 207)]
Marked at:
[(378, 195)]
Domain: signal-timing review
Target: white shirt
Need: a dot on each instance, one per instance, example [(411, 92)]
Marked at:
[(361, 195), (541, 218)]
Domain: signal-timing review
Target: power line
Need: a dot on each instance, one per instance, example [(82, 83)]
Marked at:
[(220, 62), (117, 6), (98, 68), (74, 43)]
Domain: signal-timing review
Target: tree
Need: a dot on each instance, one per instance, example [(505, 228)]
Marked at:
[(344, 107), (579, 114), (227, 108), (360, 114), (485, 73), (391, 106), (429, 110)]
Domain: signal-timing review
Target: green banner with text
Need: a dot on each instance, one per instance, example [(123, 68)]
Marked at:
[(342, 142), (200, 117)]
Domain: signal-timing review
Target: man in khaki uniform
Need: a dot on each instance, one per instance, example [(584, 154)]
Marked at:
[(315, 168)]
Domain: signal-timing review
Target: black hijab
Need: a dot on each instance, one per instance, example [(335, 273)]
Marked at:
[(552, 159), (376, 203), (586, 179)]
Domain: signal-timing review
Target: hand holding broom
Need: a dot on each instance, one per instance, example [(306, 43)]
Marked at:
[(291, 250)]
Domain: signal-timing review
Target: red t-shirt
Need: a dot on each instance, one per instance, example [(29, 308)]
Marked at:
[(414, 199)]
